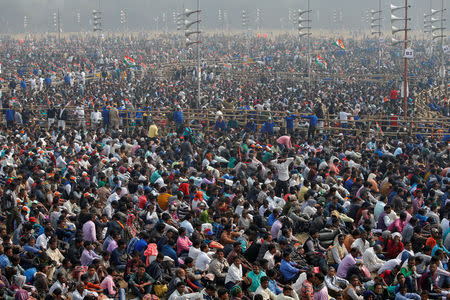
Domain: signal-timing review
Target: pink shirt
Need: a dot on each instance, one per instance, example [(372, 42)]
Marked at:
[(322, 294), (89, 233), (112, 245), (285, 140), (183, 243), (108, 284)]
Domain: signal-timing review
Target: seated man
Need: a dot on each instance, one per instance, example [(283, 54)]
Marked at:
[(140, 282)]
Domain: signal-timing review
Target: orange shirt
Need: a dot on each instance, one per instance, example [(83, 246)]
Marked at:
[(431, 242), (348, 241)]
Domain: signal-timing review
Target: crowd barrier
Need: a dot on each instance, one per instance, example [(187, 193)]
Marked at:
[(374, 125)]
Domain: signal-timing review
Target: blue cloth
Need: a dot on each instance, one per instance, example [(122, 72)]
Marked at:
[(4, 261), (29, 274), (170, 252), (273, 286), (288, 270), (140, 245), (220, 126), (9, 115), (23, 85), (408, 296), (250, 126), (28, 248), (313, 120), (178, 117), (271, 219), (105, 115), (290, 121), (267, 127), (437, 247)]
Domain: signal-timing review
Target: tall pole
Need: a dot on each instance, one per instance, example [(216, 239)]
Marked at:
[(198, 55), (309, 50), (59, 27), (443, 61), (405, 75), (379, 35)]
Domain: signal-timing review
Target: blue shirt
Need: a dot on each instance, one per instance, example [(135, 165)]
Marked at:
[(4, 261), (267, 127), (140, 245), (178, 116), (313, 120), (288, 270), (290, 121), (170, 252), (271, 219), (273, 286), (437, 247), (220, 126)]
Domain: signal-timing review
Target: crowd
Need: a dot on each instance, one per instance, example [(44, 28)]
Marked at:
[(113, 205)]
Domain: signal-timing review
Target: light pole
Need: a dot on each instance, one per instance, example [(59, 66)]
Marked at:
[(304, 28), (78, 20), (123, 19), (25, 23), (440, 29), (197, 32), (408, 54), (375, 27)]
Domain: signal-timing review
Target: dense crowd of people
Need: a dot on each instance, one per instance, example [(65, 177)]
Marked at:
[(131, 200)]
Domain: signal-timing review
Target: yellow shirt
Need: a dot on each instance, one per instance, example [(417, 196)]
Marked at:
[(152, 131)]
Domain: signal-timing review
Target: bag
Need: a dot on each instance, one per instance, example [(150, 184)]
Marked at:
[(160, 289)]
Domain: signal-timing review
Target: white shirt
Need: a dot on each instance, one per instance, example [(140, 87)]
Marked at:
[(343, 116), (266, 293), (270, 259), (41, 241), (298, 284), (202, 261), (284, 297), (389, 265), (177, 296), (234, 274), (194, 252), (283, 168), (362, 246), (371, 260), (76, 295)]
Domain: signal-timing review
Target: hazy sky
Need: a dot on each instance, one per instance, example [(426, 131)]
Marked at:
[(142, 13)]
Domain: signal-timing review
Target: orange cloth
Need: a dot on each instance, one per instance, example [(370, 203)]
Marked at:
[(163, 200)]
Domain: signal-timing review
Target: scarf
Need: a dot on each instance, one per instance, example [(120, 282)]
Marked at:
[(319, 287)]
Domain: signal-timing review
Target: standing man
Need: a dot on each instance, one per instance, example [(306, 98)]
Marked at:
[(313, 120), (282, 165)]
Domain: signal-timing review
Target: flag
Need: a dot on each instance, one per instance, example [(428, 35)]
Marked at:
[(104, 98), (227, 66), (129, 61), (269, 68), (379, 128), (340, 44), (290, 69), (321, 62), (48, 102)]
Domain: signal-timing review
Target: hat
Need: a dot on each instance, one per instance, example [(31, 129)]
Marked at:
[(32, 219), (84, 174), (199, 195), (57, 193), (25, 208)]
